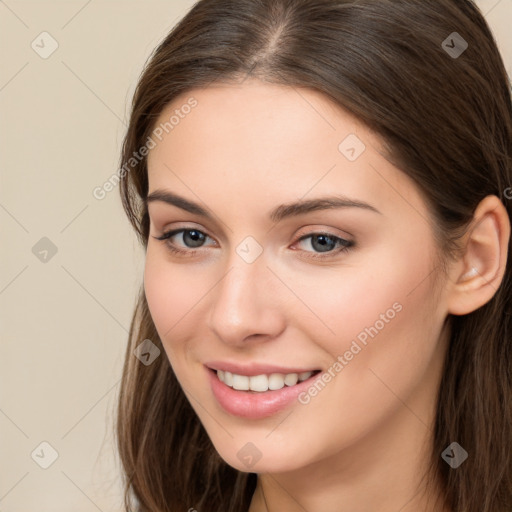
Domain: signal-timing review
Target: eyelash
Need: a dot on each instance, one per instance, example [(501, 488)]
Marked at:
[(347, 245)]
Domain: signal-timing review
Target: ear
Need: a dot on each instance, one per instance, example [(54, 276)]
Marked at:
[(476, 277)]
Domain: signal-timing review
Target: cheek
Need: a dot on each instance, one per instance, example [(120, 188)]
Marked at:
[(382, 317), (367, 289), (171, 294), (160, 293), (386, 328)]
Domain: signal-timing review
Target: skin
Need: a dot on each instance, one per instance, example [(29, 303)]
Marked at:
[(362, 443)]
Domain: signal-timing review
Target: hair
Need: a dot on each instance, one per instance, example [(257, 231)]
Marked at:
[(445, 122)]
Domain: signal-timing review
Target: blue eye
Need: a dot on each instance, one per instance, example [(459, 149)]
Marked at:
[(195, 237), (326, 244)]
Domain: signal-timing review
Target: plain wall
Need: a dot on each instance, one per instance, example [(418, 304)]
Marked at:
[(65, 316)]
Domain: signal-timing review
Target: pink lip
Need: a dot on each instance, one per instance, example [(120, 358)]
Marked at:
[(254, 368), (255, 405)]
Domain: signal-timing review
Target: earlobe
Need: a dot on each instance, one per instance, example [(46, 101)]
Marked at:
[(479, 273)]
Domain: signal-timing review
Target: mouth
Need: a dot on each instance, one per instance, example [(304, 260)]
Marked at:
[(256, 384), (262, 393)]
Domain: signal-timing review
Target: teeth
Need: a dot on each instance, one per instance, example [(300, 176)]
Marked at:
[(258, 383), (228, 379), (276, 381), (291, 379), (241, 382), (304, 376), (261, 383)]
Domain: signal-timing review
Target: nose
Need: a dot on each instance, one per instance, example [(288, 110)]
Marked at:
[(245, 304)]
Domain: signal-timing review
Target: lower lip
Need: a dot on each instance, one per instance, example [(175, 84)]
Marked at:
[(255, 405)]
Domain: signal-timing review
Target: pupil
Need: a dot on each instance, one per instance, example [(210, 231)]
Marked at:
[(196, 236), (324, 247)]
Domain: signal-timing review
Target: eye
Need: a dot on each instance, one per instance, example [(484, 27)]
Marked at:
[(194, 237), (324, 244), (327, 243)]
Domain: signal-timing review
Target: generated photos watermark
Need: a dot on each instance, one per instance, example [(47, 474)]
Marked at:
[(100, 192), (355, 348)]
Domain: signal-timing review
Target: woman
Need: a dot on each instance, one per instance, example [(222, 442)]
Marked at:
[(322, 189)]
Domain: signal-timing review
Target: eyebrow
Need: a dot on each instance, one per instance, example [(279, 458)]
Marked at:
[(279, 213)]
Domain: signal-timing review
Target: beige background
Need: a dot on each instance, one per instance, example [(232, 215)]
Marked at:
[(64, 322)]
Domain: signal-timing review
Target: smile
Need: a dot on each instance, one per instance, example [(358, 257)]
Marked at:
[(264, 382), (257, 399)]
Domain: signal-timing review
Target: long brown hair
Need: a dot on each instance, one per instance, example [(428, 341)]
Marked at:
[(446, 121)]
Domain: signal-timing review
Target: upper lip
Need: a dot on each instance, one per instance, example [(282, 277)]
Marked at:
[(253, 369)]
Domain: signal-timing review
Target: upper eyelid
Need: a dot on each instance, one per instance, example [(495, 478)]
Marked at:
[(188, 226), (343, 235)]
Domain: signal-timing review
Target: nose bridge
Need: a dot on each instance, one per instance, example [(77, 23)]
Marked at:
[(242, 305), (240, 279), (238, 297)]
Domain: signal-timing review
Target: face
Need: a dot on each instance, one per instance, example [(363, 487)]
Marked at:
[(245, 285)]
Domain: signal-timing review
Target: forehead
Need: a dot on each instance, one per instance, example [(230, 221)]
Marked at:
[(300, 113), (238, 139)]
